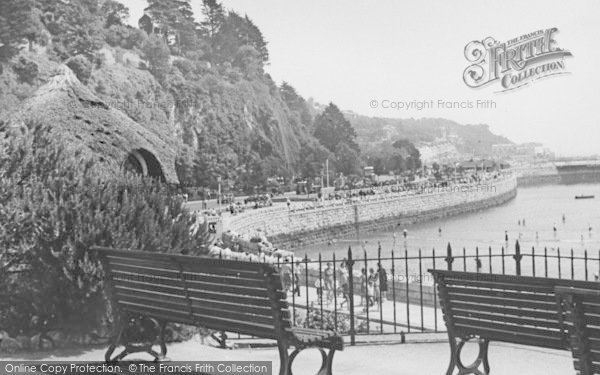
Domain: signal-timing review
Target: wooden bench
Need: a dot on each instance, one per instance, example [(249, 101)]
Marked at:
[(581, 308), (487, 307), (223, 295)]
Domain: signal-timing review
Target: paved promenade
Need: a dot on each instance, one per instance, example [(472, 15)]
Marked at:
[(401, 359)]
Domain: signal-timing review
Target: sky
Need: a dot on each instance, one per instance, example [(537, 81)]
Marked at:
[(364, 55)]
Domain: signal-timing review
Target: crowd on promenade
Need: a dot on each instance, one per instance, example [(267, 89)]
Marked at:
[(394, 189)]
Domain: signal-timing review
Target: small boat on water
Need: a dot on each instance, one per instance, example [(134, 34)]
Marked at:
[(584, 196)]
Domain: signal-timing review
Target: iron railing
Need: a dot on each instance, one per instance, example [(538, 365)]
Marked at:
[(318, 298)]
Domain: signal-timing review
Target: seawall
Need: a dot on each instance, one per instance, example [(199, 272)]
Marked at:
[(288, 229)]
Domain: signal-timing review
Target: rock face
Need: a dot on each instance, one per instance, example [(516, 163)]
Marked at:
[(84, 123)]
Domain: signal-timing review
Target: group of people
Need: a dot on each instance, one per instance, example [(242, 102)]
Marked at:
[(333, 283), (373, 287)]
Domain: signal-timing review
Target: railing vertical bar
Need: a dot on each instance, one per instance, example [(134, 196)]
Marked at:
[(490, 258), (378, 280), (533, 261), (435, 312), (321, 287), (572, 265), (545, 262), (585, 259), (335, 312), (464, 259), (421, 290), (503, 263), (350, 266), (293, 293), (559, 268), (366, 276), (307, 291), (394, 289), (407, 291)]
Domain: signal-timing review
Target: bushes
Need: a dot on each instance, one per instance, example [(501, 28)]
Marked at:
[(156, 52), (82, 67), (26, 70), (52, 209), (125, 36)]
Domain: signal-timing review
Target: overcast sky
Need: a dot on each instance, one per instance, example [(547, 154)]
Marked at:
[(351, 52)]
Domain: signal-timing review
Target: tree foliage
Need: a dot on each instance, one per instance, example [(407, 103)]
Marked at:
[(156, 52), (331, 128), (19, 22), (52, 209)]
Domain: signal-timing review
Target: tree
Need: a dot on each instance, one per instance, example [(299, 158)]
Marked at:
[(410, 154), (214, 17), (175, 20), (235, 33), (347, 161), (312, 159), (156, 52), (76, 27), (19, 21), (114, 13), (53, 207), (331, 128), (295, 102)]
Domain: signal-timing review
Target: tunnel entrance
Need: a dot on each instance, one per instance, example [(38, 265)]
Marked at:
[(143, 162)]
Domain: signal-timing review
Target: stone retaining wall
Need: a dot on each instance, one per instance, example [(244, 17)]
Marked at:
[(288, 229)]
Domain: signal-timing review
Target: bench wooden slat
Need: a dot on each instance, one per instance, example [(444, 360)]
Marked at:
[(466, 323), (209, 322), (546, 306), (520, 295), (192, 293), (175, 264), (501, 318), (142, 270), (192, 284), (224, 306), (512, 311), (265, 317), (199, 261)]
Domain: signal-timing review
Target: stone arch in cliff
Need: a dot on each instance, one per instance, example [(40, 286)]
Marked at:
[(144, 162)]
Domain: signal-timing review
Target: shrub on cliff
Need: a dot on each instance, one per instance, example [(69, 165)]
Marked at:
[(52, 209), (26, 70), (82, 67), (156, 52)]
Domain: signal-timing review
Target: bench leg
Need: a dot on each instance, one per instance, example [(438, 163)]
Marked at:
[(284, 360), (161, 339), (287, 360), (473, 368), (117, 338), (221, 338), (135, 348)]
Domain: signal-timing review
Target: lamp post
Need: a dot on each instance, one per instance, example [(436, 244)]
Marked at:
[(327, 168), (219, 193)]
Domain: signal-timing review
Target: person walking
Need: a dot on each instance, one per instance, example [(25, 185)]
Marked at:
[(371, 287), (286, 275), (345, 288), (329, 287), (383, 282), (363, 286)]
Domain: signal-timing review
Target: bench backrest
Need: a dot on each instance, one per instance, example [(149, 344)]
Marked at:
[(582, 310), (515, 309), (218, 294)]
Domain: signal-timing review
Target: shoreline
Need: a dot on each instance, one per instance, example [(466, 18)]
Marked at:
[(291, 229)]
